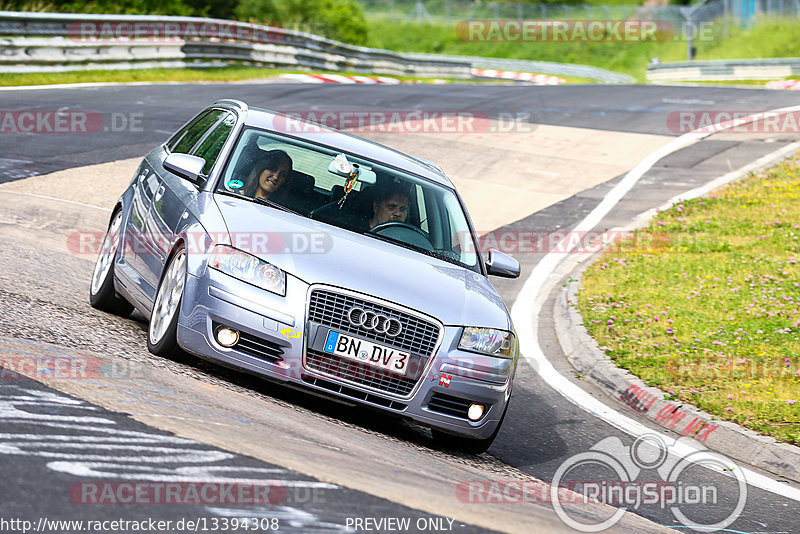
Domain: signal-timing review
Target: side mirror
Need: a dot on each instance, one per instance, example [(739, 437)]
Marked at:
[(500, 264), (186, 166)]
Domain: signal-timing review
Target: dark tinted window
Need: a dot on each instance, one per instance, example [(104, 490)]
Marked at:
[(185, 141), (211, 145)]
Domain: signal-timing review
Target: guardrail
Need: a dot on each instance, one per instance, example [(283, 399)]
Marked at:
[(60, 41), (35, 42), (724, 70), (547, 67)]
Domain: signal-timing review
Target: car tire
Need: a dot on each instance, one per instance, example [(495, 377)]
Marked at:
[(162, 331), (464, 444), (102, 294)]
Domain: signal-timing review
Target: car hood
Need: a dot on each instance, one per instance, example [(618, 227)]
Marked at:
[(316, 252)]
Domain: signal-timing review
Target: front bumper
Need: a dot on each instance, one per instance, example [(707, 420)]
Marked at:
[(275, 335)]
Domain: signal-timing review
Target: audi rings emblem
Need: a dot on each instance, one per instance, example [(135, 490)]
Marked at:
[(377, 322)]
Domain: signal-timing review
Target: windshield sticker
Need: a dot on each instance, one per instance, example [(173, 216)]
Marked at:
[(235, 184)]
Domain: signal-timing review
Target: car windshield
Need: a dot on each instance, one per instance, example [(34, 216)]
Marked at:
[(351, 193)]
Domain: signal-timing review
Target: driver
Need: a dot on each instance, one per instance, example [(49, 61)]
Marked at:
[(390, 204)]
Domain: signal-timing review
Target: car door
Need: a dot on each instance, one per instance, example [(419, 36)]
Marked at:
[(176, 194), (137, 239), (143, 254)]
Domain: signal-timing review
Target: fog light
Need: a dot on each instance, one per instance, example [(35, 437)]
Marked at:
[(227, 337), (475, 411)]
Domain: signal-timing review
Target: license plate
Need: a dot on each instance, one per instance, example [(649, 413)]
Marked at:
[(367, 352)]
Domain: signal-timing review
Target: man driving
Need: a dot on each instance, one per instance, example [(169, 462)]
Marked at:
[(390, 204)]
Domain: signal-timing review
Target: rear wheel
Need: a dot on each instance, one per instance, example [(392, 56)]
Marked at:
[(102, 294), (162, 332)]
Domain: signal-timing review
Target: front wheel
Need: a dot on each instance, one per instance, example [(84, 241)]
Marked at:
[(101, 293), (162, 332)]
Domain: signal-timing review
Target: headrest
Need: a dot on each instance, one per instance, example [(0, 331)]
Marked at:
[(300, 181)]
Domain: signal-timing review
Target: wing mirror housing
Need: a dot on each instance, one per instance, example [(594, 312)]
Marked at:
[(501, 264), (186, 166)]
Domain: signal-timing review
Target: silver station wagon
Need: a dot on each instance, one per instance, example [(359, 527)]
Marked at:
[(309, 256)]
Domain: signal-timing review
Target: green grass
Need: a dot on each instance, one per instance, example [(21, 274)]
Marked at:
[(729, 83), (769, 38), (706, 308), (211, 74), (629, 58)]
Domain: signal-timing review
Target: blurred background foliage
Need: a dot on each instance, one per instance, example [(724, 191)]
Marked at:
[(342, 20)]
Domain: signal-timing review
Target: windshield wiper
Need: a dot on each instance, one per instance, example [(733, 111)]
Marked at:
[(433, 253), (273, 204)]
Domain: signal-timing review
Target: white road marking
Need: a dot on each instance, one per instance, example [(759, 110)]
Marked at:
[(56, 199), (527, 307), (95, 452)]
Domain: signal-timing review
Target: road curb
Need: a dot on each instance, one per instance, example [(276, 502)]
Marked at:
[(629, 390), (583, 353), (585, 356)]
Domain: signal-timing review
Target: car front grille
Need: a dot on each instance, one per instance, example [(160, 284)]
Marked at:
[(354, 393), (449, 405), (330, 309), (419, 337), (360, 373), (261, 348)]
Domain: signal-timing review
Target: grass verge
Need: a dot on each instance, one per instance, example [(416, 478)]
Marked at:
[(209, 74), (707, 307), (770, 37)]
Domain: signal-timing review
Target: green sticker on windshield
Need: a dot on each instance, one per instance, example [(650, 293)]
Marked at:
[(236, 184)]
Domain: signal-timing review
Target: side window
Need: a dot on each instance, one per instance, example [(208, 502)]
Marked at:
[(210, 147), (196, 130), (182, 132)]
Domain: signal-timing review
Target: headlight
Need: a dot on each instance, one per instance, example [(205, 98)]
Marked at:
[(248, 268), (488, 341)]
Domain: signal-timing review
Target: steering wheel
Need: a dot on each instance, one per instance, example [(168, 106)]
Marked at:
[(401, 231)]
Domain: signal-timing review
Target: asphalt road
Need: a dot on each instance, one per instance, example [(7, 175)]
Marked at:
[(542, 428), (135, 118)]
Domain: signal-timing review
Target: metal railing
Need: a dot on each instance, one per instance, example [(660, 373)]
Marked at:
[(725, 70), (60, 41)]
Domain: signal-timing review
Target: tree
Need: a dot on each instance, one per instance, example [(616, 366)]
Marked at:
[(342, 20)]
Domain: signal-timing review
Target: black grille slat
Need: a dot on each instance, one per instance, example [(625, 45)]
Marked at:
[(354, 393), (260, 348), (418, 337), (359, 373), (330, 309), (448, 405)]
